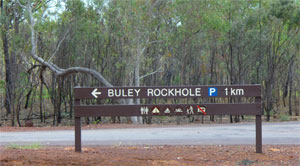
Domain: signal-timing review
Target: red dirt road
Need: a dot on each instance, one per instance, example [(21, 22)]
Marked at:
[(152, 155)]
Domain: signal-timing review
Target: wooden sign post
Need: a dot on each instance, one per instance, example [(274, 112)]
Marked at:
[(219, 91)]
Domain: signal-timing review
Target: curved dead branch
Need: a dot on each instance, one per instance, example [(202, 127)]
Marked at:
[(54, 68)]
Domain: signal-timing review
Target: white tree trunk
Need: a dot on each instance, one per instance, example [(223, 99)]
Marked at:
[(60, 72), (57, 70), (137, 74)]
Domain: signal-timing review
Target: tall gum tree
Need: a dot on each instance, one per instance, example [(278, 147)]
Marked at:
[(139, 25), (58, 71), (9, 26), (284, 19), (139, 40)]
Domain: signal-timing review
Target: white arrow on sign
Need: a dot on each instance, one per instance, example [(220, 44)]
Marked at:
[(95, 93)]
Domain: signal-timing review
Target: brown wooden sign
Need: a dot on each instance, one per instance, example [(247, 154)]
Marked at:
[(168, 110), (217, 91), (168, 92)]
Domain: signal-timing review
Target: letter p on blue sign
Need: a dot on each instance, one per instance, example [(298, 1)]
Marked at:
[(213, 91)]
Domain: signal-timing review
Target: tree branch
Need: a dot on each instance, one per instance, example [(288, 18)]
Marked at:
[(22, 6), (58, 45), (155, 41), (156, 71), (54, 68), (92, 72)]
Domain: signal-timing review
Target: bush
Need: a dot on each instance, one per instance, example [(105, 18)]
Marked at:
[(283, 117)]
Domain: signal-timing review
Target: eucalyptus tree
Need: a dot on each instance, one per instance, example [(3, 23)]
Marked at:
[(146, 42), (6, 25), (139, 27), (11, 17), (282, 29), (138, 45), (48, 63)]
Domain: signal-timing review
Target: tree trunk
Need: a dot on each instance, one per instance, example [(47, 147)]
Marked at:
[(291, 87), (53, 98), (41, 100), (212, 73), (18, 111), (269, 104), (70, 98), (8, 79), (269, 89), (297, 104), (139, 53), (60, 85)]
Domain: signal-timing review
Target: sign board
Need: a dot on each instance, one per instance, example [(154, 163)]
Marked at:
[(168, 92), (215, 91), (168, 110)]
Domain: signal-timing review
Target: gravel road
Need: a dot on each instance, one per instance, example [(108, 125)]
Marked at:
[(286, 133)]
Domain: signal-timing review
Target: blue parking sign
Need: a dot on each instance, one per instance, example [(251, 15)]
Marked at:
[(213, 91)]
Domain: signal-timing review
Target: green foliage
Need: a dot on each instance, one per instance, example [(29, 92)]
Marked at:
[(96, 122), (2, 84), (246, 162), (282, 9), (192, 41), (46, 94), (119, 65), (284, 117), (30, 146), (177, 80)]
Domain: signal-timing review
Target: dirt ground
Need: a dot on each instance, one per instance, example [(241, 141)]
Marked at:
[(152, 155), (144, 155)]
